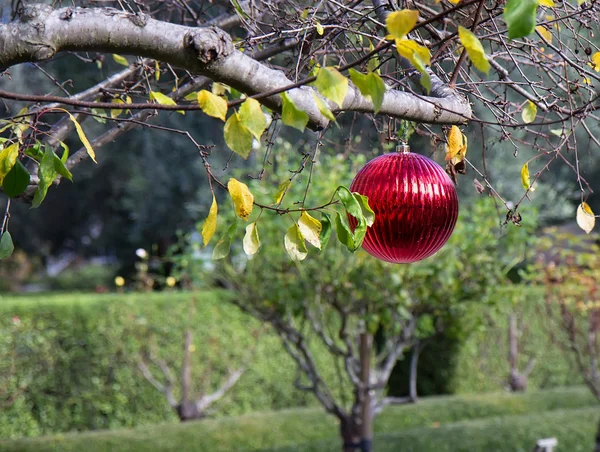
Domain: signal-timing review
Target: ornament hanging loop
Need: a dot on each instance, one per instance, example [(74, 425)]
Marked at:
[(403, 148)]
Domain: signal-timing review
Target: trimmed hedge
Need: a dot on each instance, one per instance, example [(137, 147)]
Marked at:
[(69, 362), (509, 421), (75, 364), (574, 429)]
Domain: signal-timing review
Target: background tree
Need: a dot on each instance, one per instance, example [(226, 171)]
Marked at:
[(568, 274), (367, 314)]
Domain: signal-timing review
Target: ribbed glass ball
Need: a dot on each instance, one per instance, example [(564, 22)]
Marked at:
[(415, 205)]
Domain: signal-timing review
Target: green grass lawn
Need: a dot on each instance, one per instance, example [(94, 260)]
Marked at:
[(491, 422)]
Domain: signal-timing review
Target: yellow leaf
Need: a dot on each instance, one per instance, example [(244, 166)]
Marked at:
[(210, 224), (212, 104), (525, 180), (237, 136), (529, 112), (242, 198), (119, 59), (310, 228), (474, 49), (585, 217), (400, 23), (83, 138), (116, 113), (319, 28), (332, 84), (281, 190), (252, 116), (8, 159), (454, 144), (156, 70), (548, 3), (163, 99), (219, 89), (323, 108), (251, 242), (545, 33), (596, 61), (418, 56), (294, 244)]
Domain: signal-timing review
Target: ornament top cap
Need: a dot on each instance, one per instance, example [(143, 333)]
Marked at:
[(403, 148)]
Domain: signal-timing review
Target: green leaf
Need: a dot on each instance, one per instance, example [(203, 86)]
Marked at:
[(65, 154), (212, 105), (370, 85), (35, 151), (344, 234), (252, 116), (8, 159), (120, 59), (237, 136), (359, 234), (6, 245), (101, 112), (323, 108), (332, 84), (310, 228), (46, 173), (16, 181), (210, 224), (474, 49), (325, 230), (291, 115), (529, 112), (350, 203), (400, 23), (83, 138), (223, 246), (519, 16), (239, 9), (251, 241), (373, 63), (367, 212), (294, 244), (60, 168)]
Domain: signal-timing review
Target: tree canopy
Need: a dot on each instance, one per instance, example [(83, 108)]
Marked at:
[(520, 76)]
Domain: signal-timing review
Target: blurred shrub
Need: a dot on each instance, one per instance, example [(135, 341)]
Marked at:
[(84, 278), (69, 362)]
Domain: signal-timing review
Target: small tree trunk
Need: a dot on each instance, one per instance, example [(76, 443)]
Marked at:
[(414, 361), (597, 447), (366, 421), (350, 433)]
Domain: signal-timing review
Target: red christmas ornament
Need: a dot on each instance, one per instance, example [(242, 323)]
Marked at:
[(415, 205)]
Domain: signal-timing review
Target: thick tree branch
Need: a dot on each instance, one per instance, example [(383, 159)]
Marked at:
[(41, 32)]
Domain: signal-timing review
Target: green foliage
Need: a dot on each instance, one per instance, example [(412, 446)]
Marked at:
[(6, 245), (16, 181), (70, 362), (520, 17), (443, 423)]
